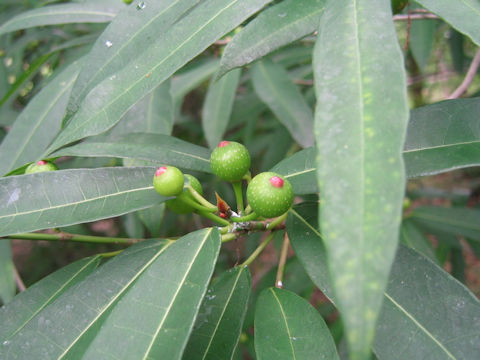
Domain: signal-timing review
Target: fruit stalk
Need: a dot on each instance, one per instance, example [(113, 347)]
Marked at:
[(238, 190)]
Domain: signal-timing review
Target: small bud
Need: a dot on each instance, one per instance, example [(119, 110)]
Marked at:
[(41, 162), (276, 181), (223, 143)]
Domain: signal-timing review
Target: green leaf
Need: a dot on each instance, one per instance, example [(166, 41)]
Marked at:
[(125, 39), (92, 12), (274, 87), (276, 26), (106, 103), (288, 327), (217, 107), (300, 169), (37, 124), (159, 148), (152, 114), (7, 281), (219, 321), (26, 305), (185, 82), (442, 137), (422, 36), (453, 220), (360, 122), (411, 236), (426, 313), (461, 14), (66, 197), (155, 317)]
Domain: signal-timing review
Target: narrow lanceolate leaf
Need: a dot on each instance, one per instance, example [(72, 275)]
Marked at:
[(277, 26), (276, 89), (426, 313), (79, 311), (288, 327), (7, 280), (189, 80), (37, 124), (159, 148), (155, 317), (451, 220), (29, 303), (134, 30), (461, 14), (300, 169), (66, 197), (217, 107), (106, 103), (153, 114), (360, 124), (220, 318), (91, 12), (442, 137)]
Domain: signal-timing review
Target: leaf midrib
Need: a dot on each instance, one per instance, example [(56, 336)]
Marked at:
[(76, 202), (284, 317), (223, 312)]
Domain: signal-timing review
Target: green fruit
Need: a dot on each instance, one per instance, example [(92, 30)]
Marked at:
[(230, 161), (269, 194), (398, 5), (40, 166), (168, 181), (177, 205)]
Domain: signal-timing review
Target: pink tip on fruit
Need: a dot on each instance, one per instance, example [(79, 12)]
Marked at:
[(276, 181), (41, 162), (223, 143), (160, 170)]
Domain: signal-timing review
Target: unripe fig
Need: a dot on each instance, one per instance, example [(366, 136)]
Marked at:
[(269, 194), (230, 161), (40, 166), (168, 181)]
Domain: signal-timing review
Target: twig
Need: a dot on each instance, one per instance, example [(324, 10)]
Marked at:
[(62, 236), (282, 261), (18, 280), (472, 71), (414, 17), (259, 249)]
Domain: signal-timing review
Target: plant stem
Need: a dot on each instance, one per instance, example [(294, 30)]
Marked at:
[(73, 237), (237, 189), (214, 217), (248, 210), (259, 249), (200, 198), (282, 261), (277, 221), (196, 205), (249, 217), (18, 280), (228, 237)]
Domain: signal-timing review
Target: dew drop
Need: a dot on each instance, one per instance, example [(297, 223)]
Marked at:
[(141, 5), (6, 343), (108, 43)]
